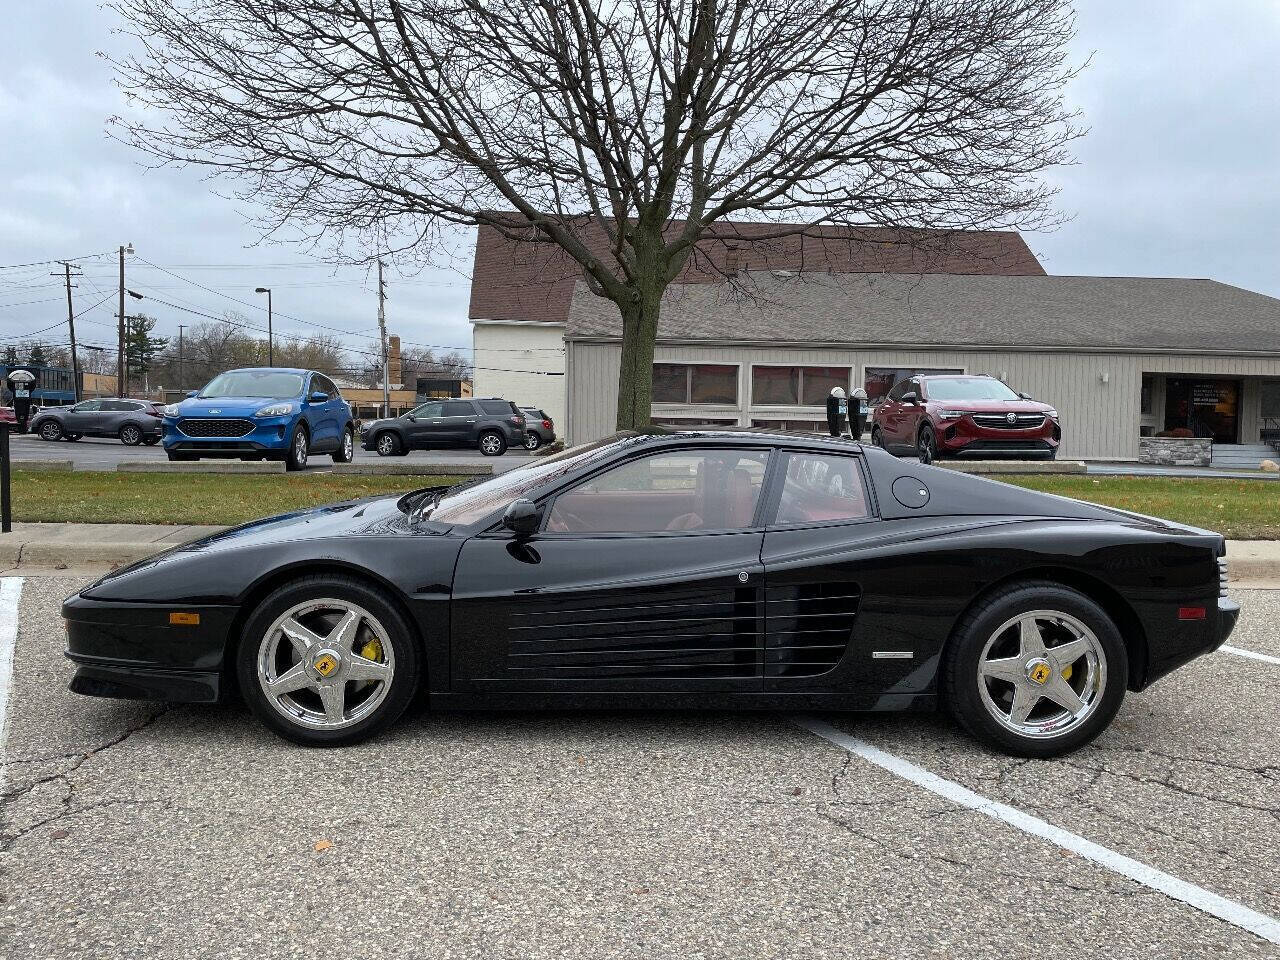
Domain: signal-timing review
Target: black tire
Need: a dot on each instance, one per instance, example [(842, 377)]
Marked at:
[(50, 430), (961, 687), (877, 438), (130, 434), (150, 441), (407, 658), (532, 441), (927, 445), (299, 449), (492, 443), (346, 451), (180, 457), (73, 437), (387, 444)]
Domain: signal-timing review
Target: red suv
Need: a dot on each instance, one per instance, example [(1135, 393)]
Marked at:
[(950, 415)]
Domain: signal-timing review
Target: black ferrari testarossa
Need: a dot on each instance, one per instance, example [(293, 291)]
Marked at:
[(724, 569)]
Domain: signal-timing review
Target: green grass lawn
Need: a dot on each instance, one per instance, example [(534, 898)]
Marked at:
[(100, 497), (1238, 509)]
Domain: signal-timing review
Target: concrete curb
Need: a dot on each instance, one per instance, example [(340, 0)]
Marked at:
[(203, 466), (42, 466), (1014, 466), (415, 469)]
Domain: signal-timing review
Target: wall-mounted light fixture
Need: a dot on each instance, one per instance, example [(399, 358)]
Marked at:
[(1104, 376)]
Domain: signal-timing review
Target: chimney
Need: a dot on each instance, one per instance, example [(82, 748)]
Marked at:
[(393, 362)]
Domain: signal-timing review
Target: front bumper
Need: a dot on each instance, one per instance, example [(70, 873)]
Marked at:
[(963, 437), (268, 435), (132, 651)]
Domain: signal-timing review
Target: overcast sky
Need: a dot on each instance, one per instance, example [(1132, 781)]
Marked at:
[(1177, 177)]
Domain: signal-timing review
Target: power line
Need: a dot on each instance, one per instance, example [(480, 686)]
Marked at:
[(41, 263)]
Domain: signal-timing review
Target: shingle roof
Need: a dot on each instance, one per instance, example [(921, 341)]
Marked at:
[(1116, 312), (533, 281)]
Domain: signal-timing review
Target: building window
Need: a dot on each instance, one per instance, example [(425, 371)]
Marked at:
[(1148, 383), (686, 422), (688, 383), (796, 386), (1271, 399), (878, 381), (804, 426)]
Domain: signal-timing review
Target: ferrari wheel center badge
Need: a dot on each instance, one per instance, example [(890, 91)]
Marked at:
[(325, 664), (1039, 671)]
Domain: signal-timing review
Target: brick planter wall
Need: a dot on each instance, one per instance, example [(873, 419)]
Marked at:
[(1175, 451)]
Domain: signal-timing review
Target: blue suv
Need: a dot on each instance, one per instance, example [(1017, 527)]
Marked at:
[(258, 413)]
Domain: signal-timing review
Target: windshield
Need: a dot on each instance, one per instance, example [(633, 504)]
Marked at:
[(470, 503), (962, 388), (254, 383)]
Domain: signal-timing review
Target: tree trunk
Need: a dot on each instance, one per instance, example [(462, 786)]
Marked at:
[(635, 376)]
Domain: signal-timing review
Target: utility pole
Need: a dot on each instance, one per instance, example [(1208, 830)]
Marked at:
[(71, 328), (182, 376), (382, 330), (271, 356), (120, 372)]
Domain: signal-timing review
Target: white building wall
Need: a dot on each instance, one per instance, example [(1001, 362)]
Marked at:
[(1098, 395), (521, 362)]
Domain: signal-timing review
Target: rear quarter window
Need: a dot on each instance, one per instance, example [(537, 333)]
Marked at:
[(497, 408)]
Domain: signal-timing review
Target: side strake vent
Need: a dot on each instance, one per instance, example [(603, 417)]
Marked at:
[(808, 627), (666, 634)]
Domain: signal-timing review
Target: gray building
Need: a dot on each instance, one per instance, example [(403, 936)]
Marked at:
[(1119, 357)]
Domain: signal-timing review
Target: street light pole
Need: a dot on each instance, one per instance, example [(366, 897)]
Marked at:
[(271, 356)]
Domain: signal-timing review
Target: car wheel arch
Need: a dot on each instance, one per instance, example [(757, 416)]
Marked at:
[(1103, 594), (269, 582)]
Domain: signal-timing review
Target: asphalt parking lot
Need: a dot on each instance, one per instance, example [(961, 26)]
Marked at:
[(91, 453), (139, 830)]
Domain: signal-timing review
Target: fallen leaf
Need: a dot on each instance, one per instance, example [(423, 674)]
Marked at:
[(58, 834), (323, 845), (797, 791)]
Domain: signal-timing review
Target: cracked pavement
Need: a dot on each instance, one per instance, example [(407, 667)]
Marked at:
[(140, 830)]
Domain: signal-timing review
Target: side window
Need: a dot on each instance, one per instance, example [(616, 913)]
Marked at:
[(458, 408), (88, 406), (898, 390), (680, 490), (324, 385), (496, 408), (428, 411), (822, 488)]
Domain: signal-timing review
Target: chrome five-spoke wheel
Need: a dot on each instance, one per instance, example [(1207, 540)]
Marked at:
[(326, 664), (1041, 673)]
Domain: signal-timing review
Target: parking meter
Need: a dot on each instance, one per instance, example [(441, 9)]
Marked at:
[(20, 382)]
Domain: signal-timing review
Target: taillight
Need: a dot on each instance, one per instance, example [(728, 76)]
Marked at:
[(518, 421), (546, 424)]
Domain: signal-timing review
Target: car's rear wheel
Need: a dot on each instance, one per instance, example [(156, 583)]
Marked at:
[(51, 430), (346, 451), (1036, 669), (387, 444), (492, 443), (130, 435), (532, 441), (927, 445), (299, 449), (328, 661)]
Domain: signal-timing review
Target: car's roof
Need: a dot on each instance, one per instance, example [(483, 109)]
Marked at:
[(738, 435), (271, 370), (955, 376)]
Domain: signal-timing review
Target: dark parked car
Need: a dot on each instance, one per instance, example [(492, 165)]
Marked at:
[(951, 415), (539, 429), (718, 569), (131, 421), (489, 424)]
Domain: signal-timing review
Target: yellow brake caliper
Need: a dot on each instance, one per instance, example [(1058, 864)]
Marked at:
[(372, 650), (1066, 671)]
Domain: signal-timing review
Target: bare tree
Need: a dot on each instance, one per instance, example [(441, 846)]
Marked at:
[(210, 348), (619, 131)]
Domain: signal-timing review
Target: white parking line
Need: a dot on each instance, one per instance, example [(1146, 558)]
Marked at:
[(1240, 652), (10, 593), (1236, 914)]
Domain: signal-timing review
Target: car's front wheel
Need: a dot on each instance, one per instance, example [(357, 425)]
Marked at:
[(532, 441), (150, 441), (130, 435), (180, 457), (492, 443), (328, 661), (877, 438), (927, 445), (346, 451), (50, 430), (1036, 669), (299, 449), (387, 444), (73, 437)]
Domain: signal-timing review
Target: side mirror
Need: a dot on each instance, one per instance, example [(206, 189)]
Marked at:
[(412, 418), (910, 397), (1025, 396), (319, 397), (192, 393), (521, 517)]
